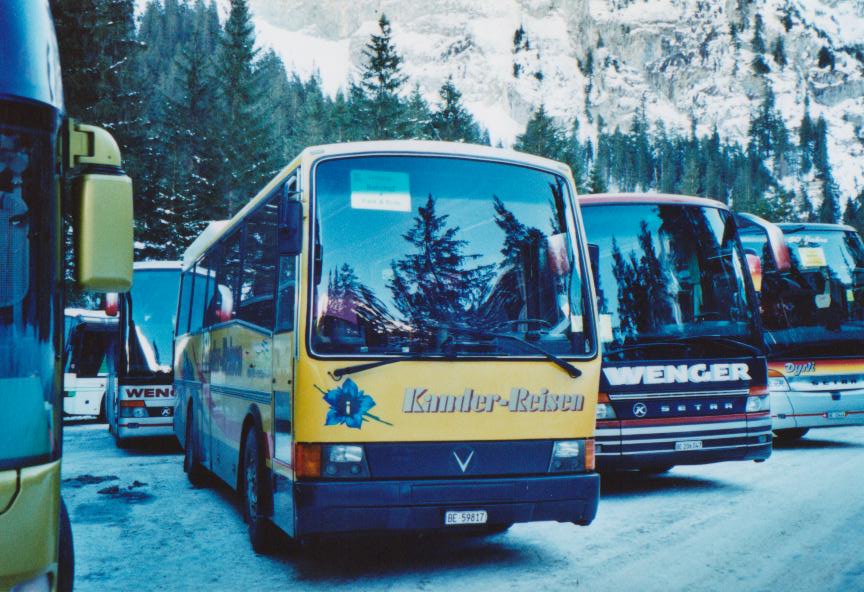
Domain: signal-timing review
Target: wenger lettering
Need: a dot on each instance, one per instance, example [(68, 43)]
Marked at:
[(149, 393), (680, 373)]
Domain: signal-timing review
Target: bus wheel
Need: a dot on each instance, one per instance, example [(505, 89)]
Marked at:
[(194, 470), (256, 496), (791, 434), (101, 417), (66, 560)]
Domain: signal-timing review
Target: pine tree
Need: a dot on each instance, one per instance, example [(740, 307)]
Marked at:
[(248, 159), (596, 182), (854, 214), (806, 139), (376, 100), (418, 118), (543, 137), (642, 153), (452, 122)]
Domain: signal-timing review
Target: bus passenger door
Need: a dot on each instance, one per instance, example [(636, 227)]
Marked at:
[(284, 350)]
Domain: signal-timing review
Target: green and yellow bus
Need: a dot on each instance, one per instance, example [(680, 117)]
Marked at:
[(394, 336), (39, 149)]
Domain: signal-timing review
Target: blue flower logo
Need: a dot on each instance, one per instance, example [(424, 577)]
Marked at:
[(349, 406)]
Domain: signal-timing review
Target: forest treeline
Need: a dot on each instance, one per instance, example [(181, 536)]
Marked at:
[(204, 118)]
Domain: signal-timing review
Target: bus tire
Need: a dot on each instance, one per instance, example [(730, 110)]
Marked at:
[(194, 471), (790, 434), (256, 496), (66, 553)]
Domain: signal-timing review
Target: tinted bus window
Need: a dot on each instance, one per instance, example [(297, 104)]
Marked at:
[(186, 296), (259, 269)]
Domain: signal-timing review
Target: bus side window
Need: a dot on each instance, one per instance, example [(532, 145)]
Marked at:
[(257, 289), (287, 283), (186, 289), (228, 278), (209, 301)]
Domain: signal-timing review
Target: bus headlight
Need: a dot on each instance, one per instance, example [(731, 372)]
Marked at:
[(777, 383), (344, 461), (37, 584), (570, 456), (758, 403), (605, 411)]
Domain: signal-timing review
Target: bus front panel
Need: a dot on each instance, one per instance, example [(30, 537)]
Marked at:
[(684, 374)]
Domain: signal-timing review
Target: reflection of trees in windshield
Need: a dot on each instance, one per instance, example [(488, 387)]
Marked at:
[(353, 313), (483, 246), (435, 284), (643, 291), (667, 269)]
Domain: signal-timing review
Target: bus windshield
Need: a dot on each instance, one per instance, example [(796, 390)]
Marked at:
[(668, 271), (89, 349), (818, 307), (151, 308), (439, 255), (27, 288)]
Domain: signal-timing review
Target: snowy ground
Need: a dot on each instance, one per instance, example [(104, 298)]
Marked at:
[(793, 523)]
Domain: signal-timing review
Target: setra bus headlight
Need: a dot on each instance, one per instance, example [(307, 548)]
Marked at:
[(758, 403)]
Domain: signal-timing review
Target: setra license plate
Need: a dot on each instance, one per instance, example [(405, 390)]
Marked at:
[(689, 445), (465, 517), (836, 414)]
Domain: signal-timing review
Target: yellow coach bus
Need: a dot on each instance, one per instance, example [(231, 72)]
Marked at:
[(394, 336), (40, 149)]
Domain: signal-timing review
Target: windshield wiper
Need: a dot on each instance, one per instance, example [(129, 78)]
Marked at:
[(572, 370), (340, 372), (719, 339), (685, 342)]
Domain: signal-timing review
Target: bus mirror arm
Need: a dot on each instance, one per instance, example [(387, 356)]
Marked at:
[(290, 228)]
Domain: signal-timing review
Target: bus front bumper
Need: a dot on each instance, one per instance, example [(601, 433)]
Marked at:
[(145, 428), (366, 506), (816, 409)]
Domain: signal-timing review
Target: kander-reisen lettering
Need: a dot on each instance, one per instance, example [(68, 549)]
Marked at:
[(520, 400)]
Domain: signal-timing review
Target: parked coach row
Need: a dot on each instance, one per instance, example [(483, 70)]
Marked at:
[(371, 343)]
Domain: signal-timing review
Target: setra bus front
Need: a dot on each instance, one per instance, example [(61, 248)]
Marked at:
[(142, 395), (813, 313), (684, 373)]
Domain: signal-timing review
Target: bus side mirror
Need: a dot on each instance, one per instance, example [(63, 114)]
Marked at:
[(772, 234), (104, 232), (290, 228), (755, 266), (102, 195)]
